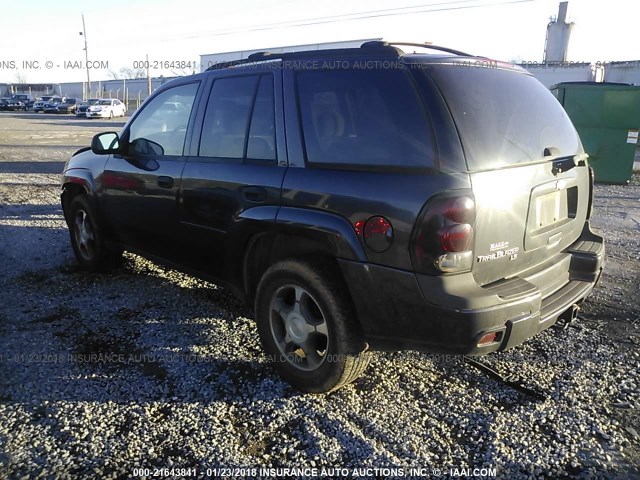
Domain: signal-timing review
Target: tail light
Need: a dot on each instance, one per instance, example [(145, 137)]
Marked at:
[(443, 239)]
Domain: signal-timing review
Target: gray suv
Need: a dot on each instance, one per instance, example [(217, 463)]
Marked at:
[(358, 199)]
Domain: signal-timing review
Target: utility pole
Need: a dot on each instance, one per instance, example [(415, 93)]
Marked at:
[(148, 77), (86, 59)]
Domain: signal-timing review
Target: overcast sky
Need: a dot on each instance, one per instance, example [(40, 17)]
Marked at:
[(122, 32)]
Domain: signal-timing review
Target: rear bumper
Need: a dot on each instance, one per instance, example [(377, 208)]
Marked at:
[(400, 310)]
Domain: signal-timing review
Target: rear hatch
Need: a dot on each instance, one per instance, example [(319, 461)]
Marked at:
[(527, 167)]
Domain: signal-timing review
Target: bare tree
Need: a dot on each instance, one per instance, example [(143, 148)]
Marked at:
[(131, 73), (183, 72), (21, 77), (113, 74)]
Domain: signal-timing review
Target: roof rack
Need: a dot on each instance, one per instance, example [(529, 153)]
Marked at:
[(254, 57), (230, 63), (382, 44)]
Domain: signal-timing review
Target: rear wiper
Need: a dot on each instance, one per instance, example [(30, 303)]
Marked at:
[(561, 164)]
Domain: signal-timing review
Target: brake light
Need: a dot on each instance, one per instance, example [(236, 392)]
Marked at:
[(443, 240), (460, 209), (455, 238)]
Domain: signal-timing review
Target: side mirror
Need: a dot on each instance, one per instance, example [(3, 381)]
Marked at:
[(105, 143)]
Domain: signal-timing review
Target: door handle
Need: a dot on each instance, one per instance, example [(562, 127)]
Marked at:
[(165, 182), (255, 194)]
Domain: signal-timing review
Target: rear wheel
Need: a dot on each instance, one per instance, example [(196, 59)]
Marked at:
[(87, 237), (307, 326)]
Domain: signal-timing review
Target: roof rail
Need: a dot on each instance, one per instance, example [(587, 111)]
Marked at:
[(382, 44), (258, 56), (229, 63), (254, 57), (386, 47)]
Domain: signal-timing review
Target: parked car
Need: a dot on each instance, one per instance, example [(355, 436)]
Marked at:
[(107, 108), (68, 106), (397, 201), (15, 105), (81, 111), (38, 105), (51, 106), (19, 102)]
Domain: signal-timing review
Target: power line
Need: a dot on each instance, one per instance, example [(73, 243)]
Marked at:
[(326, 19), (353, 16)]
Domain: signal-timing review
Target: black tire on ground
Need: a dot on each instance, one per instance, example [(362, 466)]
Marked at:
[(308, 327), (87, 237)]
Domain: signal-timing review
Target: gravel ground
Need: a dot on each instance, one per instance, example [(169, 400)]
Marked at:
[(147, 367)]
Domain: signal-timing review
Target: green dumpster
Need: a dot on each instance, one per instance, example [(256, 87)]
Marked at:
[(607, 117)]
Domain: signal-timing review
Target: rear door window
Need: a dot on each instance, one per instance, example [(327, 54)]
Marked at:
[(239, 121), (370, 117)]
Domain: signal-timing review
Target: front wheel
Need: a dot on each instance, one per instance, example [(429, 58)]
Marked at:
[(307, 326), (87, 236)]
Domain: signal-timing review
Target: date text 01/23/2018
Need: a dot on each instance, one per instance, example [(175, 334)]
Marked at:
[(314, 472)]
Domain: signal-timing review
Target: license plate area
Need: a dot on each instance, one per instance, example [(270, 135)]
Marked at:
[(550, 209)]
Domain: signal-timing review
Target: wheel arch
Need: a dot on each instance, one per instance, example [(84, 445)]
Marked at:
[(77, 182), (266, 249), (299, 233)]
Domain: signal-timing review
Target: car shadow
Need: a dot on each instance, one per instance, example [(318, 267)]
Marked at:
[(127, 335)]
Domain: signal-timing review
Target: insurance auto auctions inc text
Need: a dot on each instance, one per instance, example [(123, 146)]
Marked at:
[(358, 472)]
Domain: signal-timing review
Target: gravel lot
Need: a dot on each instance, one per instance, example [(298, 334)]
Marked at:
[(147, 367)]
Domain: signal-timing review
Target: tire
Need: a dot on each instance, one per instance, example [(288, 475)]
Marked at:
[(307, 326), (87, 237)]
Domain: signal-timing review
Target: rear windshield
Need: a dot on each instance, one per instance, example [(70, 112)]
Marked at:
[(503, 117)]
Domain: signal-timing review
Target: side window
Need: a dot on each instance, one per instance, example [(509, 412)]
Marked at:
[(163, 122), (239, 121), (368, 117)]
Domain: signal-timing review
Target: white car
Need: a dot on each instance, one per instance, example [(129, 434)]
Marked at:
[(107, 108)]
